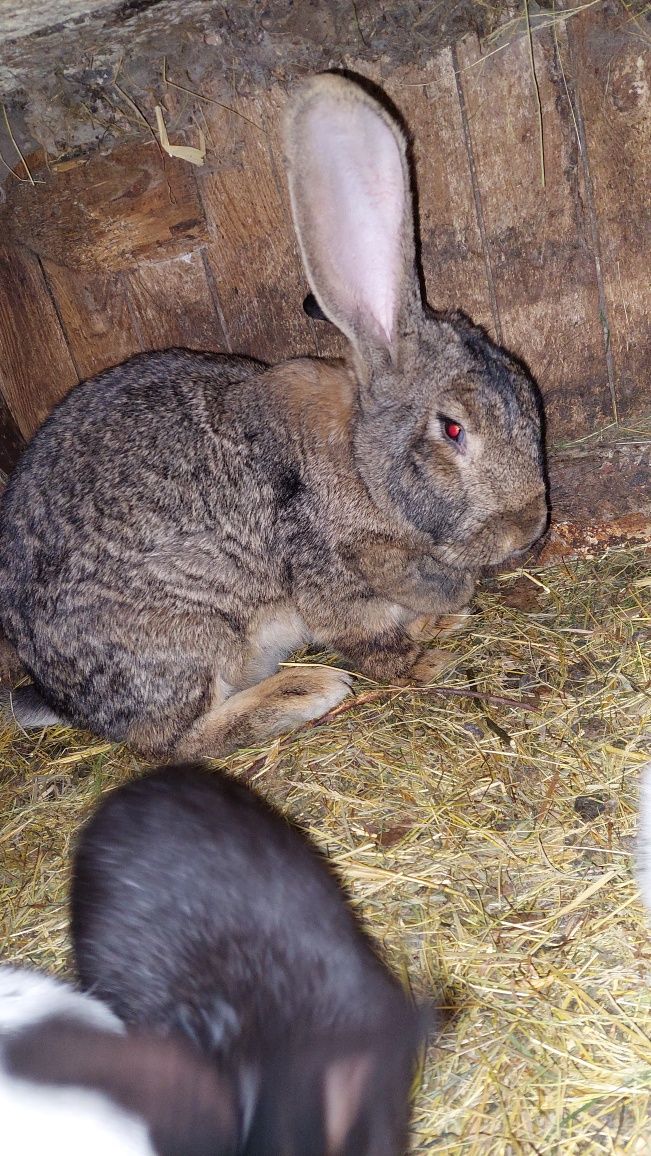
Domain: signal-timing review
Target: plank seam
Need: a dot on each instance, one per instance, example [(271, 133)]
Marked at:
[(594, 224), (213, 287), (476, 195), (214, 297), (55, 305)]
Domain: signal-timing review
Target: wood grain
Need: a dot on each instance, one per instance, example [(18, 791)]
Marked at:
[(171, 303), (36, 368), (539, 239), (251, 251), (107, 213), (109, 317), (613, 69), (96, 316), (452, 258), (601, 495)]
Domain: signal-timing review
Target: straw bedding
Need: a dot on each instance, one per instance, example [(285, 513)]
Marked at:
[(485, 829)]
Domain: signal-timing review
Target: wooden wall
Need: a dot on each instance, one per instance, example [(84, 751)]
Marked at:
[(535, 217)]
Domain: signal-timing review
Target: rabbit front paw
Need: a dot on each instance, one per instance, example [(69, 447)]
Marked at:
[(429, 627)]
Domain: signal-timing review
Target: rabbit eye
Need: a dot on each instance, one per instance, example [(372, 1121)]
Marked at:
[(453, 430)]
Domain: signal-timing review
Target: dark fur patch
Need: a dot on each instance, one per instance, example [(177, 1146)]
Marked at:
[(288, 485), (132, 8), (190, 1110)]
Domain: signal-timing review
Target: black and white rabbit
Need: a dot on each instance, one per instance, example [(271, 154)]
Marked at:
[(183, 522), (72, 1083), (198, 909)]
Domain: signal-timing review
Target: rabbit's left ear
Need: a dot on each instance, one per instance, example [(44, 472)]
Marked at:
[(351, 203), (188, 1106)]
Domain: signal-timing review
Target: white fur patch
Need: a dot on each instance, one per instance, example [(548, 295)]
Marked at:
[(59, 1121), (271, 641), (66, 1122), (27, 997)]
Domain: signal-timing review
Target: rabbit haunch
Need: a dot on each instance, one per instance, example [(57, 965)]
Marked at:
[(182, 522)]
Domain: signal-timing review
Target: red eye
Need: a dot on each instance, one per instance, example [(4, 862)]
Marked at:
[(453, 430)]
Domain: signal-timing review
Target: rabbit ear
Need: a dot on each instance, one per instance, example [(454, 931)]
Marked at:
[(351, 203), (345, 1088), (189, 1107), (314, 1100)]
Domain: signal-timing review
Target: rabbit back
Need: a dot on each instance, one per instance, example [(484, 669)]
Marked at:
[(124, 559), (198, 910), (192, 879)]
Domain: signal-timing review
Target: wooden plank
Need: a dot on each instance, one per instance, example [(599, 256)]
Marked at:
[(539, 239), (95, 313), (171, 304), (36, 368), (252, 252), (452, 256), (454, 262), (612, 509), (107, 318), (11, 442), (107, 213), (613, 70)]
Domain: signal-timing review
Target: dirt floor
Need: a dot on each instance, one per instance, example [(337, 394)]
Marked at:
[(486, 829)]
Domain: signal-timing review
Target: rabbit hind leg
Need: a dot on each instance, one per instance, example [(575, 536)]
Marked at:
[(283, 702)]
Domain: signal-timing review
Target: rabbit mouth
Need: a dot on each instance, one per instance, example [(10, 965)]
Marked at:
[(532, 551), (535, 549), (488, 552)]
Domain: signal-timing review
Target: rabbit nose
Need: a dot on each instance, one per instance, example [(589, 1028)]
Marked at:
[(533, 532), (535, 520), (541, 528)]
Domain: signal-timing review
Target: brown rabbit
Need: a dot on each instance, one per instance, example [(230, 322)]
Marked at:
[(183, 522)]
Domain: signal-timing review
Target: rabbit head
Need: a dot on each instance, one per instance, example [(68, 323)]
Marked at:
[(448, 430), (238, 938), (347, 1096)]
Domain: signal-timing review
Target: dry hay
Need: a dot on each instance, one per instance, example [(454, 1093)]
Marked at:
[(488, 848)]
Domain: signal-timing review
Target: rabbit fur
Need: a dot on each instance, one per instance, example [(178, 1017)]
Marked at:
[(183, 522), (197, 908), (72, 1083)]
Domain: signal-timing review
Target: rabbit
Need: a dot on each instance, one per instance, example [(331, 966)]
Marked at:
[(73, 1083), (196, 908), (183, 522)]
